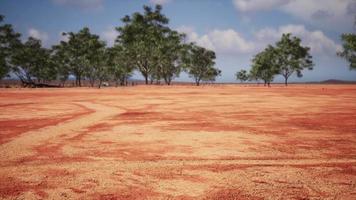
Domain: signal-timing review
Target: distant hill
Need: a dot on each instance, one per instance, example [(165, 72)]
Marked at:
[(336, 81)]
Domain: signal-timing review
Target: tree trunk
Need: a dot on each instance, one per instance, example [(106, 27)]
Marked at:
[(146, 79), (151, 81), (92, 83), (100, 82), (78, 80)]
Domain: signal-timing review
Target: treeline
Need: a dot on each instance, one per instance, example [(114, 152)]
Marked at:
[(288, 57), (144, 43)]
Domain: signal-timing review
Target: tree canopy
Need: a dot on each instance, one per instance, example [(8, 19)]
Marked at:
[(264, 65), (242, 75), (349, 49), (81, 54), (292, 57), (9, 43), (139, 36), (199, 63), (32, 63), (121, 66), (287, 57)]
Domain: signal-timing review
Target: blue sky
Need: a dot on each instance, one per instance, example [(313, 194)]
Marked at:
[(235, 29)]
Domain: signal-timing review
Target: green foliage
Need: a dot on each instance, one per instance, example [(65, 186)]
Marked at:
[(292, 57), (349, 49), (145, 43), (199, 63), (242, 75), (211, 74), (98, 70), (61, 63), (138, 36), (33, 64), (9, 43), (120, 64), (168, 55), (264, 65), (81, 55), (286, 58)]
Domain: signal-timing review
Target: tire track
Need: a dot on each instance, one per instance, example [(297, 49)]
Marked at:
[(22, 146)]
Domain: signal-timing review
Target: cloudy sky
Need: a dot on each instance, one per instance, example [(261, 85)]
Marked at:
[(235, 29)]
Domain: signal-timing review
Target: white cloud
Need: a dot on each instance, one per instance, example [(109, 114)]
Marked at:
[(325, 12), (256, 5), (329, 14), (229, 41), (82, 4), (109, 35), (160, 2), (316, 39), (43, 36), (222, 41)]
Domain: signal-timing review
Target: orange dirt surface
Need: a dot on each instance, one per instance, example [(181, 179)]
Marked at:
[(179, 142)]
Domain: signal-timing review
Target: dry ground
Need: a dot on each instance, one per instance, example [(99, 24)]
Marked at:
[(179, 142)]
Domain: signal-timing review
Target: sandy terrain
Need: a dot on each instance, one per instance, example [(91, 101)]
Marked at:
[(179, 142)]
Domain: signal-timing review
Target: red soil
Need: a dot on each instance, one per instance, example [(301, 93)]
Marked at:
[(179, 142)]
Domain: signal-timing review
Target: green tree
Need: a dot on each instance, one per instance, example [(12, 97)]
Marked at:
[(211, 74), (79, 52), (9, 43), (199, 63), (349, 49), (120, 64), (169, 55), (61, 63), (32, 64), (292, 57), (242, 75), (97, 68), (138, 36), (264, 65)]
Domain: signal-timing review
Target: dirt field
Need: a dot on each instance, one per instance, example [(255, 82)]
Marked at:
[(179, 142)]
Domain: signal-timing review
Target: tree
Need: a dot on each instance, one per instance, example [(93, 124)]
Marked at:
[(9, 42), (120, 64), (97, 68), (32, 64), (61, 64), (138, 36), (78, 53), (169, 56), (264, 65), (349, 49), (211, 74), (199, 62), (292, 57), (242, 75)]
